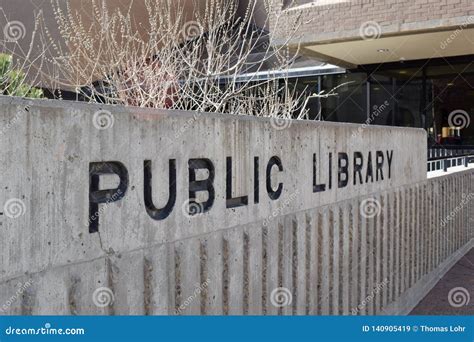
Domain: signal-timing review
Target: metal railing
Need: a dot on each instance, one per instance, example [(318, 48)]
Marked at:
[(445, 157)]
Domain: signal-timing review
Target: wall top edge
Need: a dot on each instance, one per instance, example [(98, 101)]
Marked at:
[(48, 103)]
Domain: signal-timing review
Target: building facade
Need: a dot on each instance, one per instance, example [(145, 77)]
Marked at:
[(406, 62)]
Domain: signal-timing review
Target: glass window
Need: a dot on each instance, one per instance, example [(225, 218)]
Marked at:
[(347, 98)]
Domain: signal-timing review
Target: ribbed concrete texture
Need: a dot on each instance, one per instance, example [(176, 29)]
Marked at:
[(373, 247)]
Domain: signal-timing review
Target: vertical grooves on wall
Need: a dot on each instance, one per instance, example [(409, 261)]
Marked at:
[(340, 255), (389, 236), (406, 238), (391, 245), (319, 251), (246, 273), (357, 267), (203, 276), (326, 245), (414, 235), (404, 219), (398, 259), (308, 245), (294, 265), (446, 193), (425, 223), (331, 262), (421, 224), (442, 217), (372, 250), (72, 295), (280, 260), (377, 257), (444, 189), (459, 192), (363, 260), (225, 276), (436, 227), (177, 281), (264, 269), (381, 258), (352, 260), (147, 286), (110, 284), (411, 238)]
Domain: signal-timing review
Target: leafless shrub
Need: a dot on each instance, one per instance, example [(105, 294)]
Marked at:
[(171, 60), (20, 64)]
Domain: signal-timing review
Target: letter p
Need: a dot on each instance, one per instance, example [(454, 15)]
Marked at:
[(97, 196)]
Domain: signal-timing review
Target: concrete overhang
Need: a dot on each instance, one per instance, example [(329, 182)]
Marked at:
[(414, 46)]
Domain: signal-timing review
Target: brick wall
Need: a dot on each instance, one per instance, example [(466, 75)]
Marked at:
[(335, 20)]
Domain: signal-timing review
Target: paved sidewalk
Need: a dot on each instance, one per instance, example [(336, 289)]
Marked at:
[(437, 301)]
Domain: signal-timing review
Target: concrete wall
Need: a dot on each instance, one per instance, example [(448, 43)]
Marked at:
[(336, 20), (382, 242)]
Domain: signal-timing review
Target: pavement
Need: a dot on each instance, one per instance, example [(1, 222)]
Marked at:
[(454, 293)]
